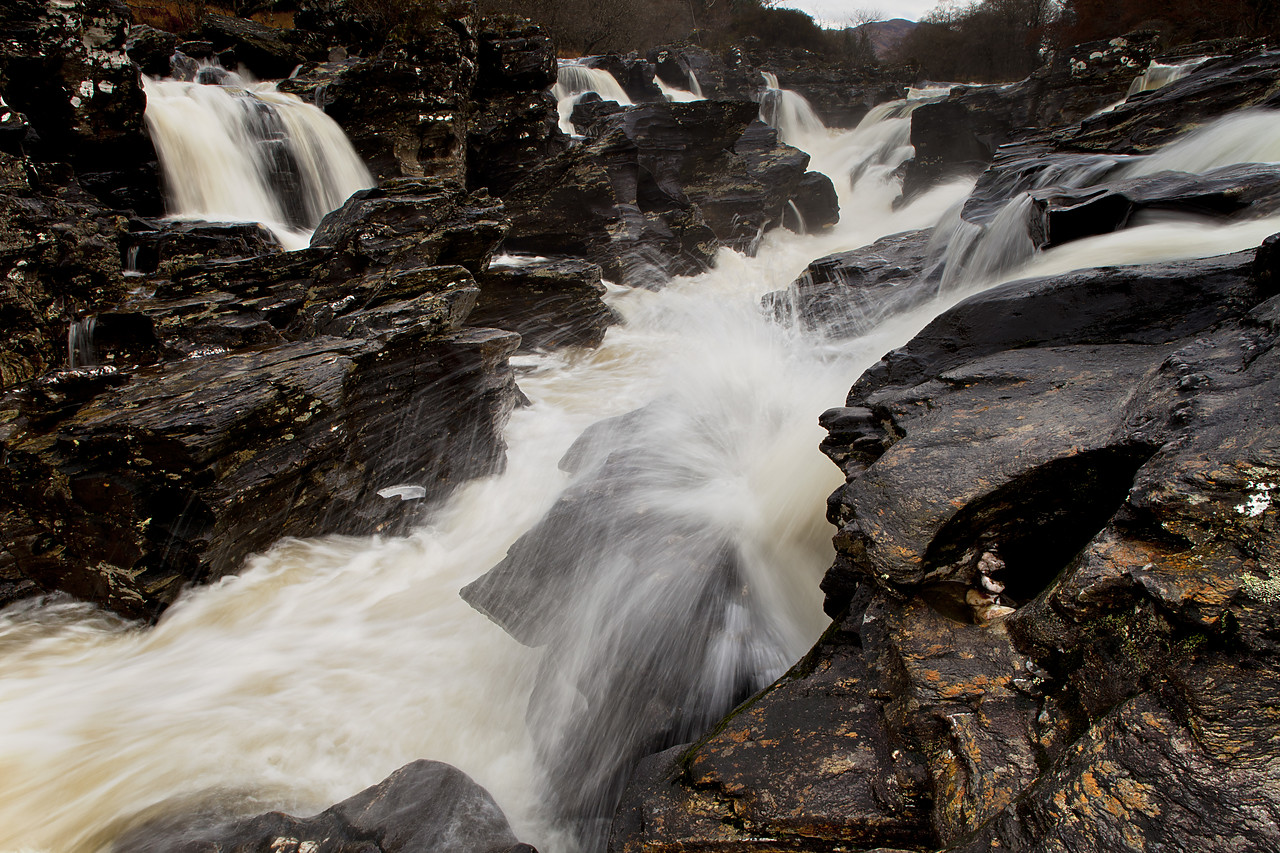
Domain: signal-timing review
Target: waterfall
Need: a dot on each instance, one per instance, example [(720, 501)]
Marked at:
[(788, 112), (573, 80), (240, 152), (695, 86), (1158, 75), (326, 664), (80, 349), (680, 96)]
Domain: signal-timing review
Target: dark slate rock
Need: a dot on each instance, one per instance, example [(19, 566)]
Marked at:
[(150, 49), (635, 75), (848, 293), (165, 248), (426, 805), (265, 51), (551, 304)]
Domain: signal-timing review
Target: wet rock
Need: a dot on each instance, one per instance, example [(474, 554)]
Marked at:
[(408, 223), (514, 123), (150, 49), (64, 66), (551, 303), (166, 248), (848, 293), (58, 261), (267, 52), (405, 109), (589, 109), (426, 805), (656, 189)]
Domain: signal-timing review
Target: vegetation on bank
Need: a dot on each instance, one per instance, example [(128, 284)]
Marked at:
[(979, 41)]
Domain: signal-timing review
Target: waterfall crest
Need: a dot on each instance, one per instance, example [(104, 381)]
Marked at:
[(241, 152), (573, 80)]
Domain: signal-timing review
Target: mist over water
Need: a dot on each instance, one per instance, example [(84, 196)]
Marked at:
[(329, 663)]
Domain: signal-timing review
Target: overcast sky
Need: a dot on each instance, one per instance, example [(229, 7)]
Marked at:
[(839, 12)]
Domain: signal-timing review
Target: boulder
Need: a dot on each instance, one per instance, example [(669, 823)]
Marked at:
[(847, 294), (267, 52), (157, 247), (551, 303), (426, 805), (635, 75)]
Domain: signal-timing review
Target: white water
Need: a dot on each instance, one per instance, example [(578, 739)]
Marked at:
[(328, 664), (788, 112), (679, 96), (244, 152), (1158, 75), (574, 80), (1003, 250)]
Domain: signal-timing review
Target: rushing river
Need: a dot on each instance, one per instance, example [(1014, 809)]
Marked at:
[(327, 664)]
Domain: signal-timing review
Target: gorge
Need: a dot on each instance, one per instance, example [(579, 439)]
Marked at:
[(514, 463)]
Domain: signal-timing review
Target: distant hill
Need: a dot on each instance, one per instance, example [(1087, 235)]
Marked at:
[(887, 35)]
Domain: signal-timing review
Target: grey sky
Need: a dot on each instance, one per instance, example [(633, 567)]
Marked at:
[(839, 12)]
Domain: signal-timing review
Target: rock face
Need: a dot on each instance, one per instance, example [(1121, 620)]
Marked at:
[(63, 66), (425, 805), (656, 189), (404, 108), (552, 304), (244, 400)]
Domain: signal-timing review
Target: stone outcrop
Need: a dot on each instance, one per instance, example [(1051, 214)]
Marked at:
[(657, 188), (426, 805), (239, 401), (551, 304)]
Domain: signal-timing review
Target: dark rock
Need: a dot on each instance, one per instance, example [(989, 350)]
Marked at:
[(59, 260), (551, 304), (425, 805), (406, 109), (589, 109), (652, 193), (848, 293), (407, 223), (264, 50), (150, 49), (816, 206), (166, 248), (64, 66), (514, 123)]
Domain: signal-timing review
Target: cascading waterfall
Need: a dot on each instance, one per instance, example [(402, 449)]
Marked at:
[(573, 80), (1158, 75), (241, 152), (788, 112), (1003, 249), (329, 663)]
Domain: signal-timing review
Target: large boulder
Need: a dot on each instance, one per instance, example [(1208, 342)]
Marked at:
[(426, 805), (551, 303)]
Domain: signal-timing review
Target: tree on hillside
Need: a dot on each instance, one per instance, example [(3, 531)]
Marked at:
[(984, 41)]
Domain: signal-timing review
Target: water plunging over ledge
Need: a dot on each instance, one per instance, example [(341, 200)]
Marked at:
[(244, 152)]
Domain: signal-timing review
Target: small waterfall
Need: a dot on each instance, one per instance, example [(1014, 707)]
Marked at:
[(81, 351), (788, 112), (695, 86), (573, 80), (239, 152), (1157, 75), (130, 266), (679, 96), (1247, 137), (1003, 248)]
